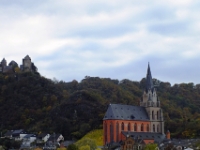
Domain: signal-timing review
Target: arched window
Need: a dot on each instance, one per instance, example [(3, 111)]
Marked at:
[(111, 132), (105, 132), (129, 127), (153, 115), (147, 127), (135, 127), (117, 132), (122, 127), (157, 115), (154, 129), (142, 127), (158, 129)]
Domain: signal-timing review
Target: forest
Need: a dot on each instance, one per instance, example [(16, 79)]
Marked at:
[(32, 102)]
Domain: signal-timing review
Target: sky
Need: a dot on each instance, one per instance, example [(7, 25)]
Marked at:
[(71, 39)]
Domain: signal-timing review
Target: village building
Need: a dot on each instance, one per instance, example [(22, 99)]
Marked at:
[(143, 124)]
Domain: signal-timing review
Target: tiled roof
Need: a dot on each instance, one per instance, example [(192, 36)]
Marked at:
[(126, 112)]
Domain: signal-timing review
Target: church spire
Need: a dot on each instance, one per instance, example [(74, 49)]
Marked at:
[(149, 81)]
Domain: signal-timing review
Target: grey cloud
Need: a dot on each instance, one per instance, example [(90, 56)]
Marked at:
[(174, 28)]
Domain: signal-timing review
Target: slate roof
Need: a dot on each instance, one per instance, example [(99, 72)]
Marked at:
[(8, 133), (12, 63), (42, 135), (29, 135), (126, 112), (179, 142), (158, 137), (54, 137), (27, 57), (18, 131), (3, 61)]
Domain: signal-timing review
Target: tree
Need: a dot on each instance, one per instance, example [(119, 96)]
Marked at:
[(87, 141), (150, 146), (72, 147), (86, 147)]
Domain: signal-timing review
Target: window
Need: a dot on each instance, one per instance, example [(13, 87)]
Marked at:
[(152, 115), (105, 132), (154, 130), (129, 127), (158, 129), (111, 132), (142, 127), (135, 127), (117, 132), (157, 115), (122, 127)]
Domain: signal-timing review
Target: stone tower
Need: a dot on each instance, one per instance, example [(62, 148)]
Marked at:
[(152, 105), (4, 62), (27, 63)]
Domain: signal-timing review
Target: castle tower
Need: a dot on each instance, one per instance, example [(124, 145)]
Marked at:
[(27, 63), (4, 62), (152, 105)]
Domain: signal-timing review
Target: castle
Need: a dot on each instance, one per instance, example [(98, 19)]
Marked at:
[(27, 66), (144, 122)]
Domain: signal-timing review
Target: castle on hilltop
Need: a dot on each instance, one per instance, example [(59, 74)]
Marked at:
[(27, 66)]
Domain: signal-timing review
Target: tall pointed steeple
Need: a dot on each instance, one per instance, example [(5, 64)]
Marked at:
[(149, 81)]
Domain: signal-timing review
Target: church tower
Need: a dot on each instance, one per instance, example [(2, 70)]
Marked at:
[(152, 105)]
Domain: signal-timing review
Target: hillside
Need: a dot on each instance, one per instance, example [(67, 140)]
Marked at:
[(32, 102)]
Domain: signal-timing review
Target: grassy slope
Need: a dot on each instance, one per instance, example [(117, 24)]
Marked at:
[(96, 135)]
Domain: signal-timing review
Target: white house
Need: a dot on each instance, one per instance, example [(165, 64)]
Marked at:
[(28, 139)]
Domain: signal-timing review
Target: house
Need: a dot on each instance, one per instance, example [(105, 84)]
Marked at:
[(42, 138), (18, 134), (55, 139), (8, 134), (144, 122), (28, 139)]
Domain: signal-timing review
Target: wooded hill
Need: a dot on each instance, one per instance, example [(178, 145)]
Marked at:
[(37, 104)]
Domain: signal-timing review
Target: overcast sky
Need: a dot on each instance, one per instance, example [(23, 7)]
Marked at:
[(71, 39)]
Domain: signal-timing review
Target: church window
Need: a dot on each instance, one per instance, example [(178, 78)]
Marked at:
[(111, 132), (147, 127), (129, 127), (105, 132), (117, 131), (135, 127), (152, 115), (154, 129), (122, 128), (157, 115), (142, 127)]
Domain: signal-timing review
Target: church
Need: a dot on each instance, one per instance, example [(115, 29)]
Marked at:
[(144, 122)]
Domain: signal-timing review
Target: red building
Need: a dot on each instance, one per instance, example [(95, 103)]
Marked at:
[(138, 122)]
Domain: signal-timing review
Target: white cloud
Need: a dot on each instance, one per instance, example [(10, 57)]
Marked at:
[(83, 37)]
